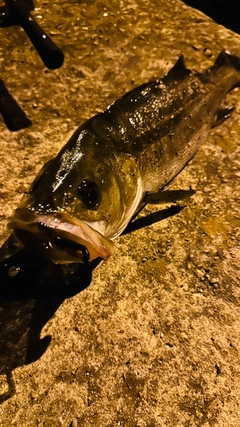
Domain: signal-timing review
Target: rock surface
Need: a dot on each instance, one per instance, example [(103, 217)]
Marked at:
[(154, 340)]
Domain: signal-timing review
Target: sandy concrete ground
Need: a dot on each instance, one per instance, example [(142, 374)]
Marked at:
[(154, 340)]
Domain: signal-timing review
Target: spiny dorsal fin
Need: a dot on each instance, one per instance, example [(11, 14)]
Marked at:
[(179, 67)]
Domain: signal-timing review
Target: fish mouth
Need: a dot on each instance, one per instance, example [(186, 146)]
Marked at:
[(61, 237)]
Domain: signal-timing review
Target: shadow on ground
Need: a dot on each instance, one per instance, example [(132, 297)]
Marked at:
[(27, 302), (29, 299)]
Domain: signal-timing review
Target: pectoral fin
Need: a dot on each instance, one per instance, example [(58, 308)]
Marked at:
[(221, 115), (166, 196)]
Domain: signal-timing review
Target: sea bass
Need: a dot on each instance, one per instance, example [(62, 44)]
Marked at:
[(86, 196)]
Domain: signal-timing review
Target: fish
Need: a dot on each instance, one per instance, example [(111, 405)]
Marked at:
[(121, 159)]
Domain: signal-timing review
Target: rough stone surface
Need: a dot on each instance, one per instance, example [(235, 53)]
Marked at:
[(154, 340)]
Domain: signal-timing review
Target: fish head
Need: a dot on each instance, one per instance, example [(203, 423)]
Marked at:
[(75, 204)]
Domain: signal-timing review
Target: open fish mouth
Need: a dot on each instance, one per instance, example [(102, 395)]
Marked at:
[(60, 237)]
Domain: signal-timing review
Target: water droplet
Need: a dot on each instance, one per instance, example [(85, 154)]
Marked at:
[(13, 271)]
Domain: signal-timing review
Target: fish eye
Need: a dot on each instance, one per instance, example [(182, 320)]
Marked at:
[(89, 193)]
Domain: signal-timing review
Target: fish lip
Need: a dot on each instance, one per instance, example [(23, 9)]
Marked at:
[(51, 232), (50, 246)]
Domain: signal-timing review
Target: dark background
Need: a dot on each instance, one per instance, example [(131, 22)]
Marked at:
[(221, 11)]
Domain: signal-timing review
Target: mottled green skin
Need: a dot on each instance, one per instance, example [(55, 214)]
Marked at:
[(146, 137)]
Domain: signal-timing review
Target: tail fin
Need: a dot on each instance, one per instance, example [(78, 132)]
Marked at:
[(227, 58)]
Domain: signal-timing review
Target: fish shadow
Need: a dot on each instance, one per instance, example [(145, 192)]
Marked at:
[(29, 300)]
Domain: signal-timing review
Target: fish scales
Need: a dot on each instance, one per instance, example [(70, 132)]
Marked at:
[(165, 121), (87, 195)]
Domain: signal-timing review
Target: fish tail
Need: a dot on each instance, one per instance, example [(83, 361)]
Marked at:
[(227, 58)]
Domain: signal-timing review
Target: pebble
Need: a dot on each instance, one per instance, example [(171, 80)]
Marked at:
[(207, 52), (200, 273), (34, 395)]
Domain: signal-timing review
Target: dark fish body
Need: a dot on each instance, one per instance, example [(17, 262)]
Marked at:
[(87, 195)]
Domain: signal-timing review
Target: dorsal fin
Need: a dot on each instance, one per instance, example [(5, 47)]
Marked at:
[(179, 67), (223, 58), (227, 58)]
